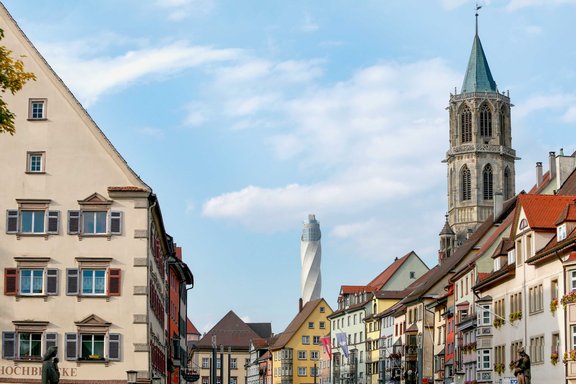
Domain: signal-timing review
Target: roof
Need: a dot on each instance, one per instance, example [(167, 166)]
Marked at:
[(190, 328), (478, 77), (553, 247), (568, 214), (351, 289), (380, 281), (296, 323), (264, 330), (229, 331), (542, 211), (129, 188), (569, 186)]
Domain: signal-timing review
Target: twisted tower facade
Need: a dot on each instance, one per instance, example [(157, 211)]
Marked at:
[(310, 255)]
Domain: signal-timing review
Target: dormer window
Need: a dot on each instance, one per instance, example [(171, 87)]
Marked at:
[(497, 264), (561, 232)]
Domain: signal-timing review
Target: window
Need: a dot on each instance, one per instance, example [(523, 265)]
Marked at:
[(93, 281), (301, 355), (305, 340), (554, 289), (466, 125), (572, 280), (32, 218), (573, 336), (499, 310), (322, 309), (30, 281), (314, 355), (205, 363), (466, 187), (205, 380), (316, 340), (537, 349), (516, 303), (412, 274), (95, 218), (484, 359), (310, 325), (313, 371), (514, 347), (301, 371), (502, 121), (486, 318), (500, 355), (536, 298), (92, 346), (322, 325), (35, 162), (519, 259), (507, 184), (233, 380), (233, 363), (37, 109), (561, 232), (488, 188), (485, 121), (27, 341)]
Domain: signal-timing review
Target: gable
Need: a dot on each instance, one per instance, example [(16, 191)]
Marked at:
[(75, 149)]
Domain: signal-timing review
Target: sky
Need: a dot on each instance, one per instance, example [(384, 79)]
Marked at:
[(244, 116)]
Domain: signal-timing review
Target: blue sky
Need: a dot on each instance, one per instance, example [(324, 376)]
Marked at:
[(245, 116)]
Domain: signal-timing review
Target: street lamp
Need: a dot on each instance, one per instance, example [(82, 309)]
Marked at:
[(132, 376)]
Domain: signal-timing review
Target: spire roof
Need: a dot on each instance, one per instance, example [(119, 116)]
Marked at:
[(478, 76)]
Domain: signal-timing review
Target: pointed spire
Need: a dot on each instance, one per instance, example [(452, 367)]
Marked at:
[(478, 76)]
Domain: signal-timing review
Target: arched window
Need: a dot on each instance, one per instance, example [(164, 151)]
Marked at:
[(502, 117), (488, 187), (507, 184), (466, 186), (485, 121), (466, 124)]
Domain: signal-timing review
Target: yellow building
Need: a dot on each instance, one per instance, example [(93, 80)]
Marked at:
[(296, 353), (381, 301)]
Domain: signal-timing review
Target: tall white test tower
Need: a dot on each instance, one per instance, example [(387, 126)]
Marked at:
[(310, 254)]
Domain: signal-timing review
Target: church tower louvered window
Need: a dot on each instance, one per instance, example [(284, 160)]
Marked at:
[(466, 124), (488, 187), (485, 121), (466, 184)]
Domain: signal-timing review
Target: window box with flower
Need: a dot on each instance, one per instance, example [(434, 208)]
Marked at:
[(554, 358), (498, 322), (569, 298), (499, 368), (515, 316), (553, 306)]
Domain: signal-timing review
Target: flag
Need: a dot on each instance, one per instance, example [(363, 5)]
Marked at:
[(327, 346), (341, 338)]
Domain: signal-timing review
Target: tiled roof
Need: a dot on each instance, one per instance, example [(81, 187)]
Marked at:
[(230, 331), (568, 214), (553, 245), (190, 328), (129, 188), (296, 323), (506, 272), (262, 329), (542, 211), (351, 289), (537, 189), (569, 186), (379, 281), (478, 77)]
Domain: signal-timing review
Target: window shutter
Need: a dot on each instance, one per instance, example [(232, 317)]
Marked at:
[(71, 346), (10, 281), (52, 282), (73, 222), (114, 341), (114, 282), (9, 345), (12, 221), (116, 223), (51, 340), (71, 281), (53, 222)]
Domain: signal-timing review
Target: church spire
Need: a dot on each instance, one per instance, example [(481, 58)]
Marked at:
[(478, 77)]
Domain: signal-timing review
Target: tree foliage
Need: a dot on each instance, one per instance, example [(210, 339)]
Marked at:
[(12, 78)]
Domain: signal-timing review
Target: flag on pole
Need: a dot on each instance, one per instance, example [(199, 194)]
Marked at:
[(327, 346), (342, 342)]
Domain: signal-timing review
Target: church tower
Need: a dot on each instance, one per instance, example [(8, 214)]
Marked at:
[(480, 158)]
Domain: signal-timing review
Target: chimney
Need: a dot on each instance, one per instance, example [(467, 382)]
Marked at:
[(538, 177), (499, 197), (300, 305), (552, 160)]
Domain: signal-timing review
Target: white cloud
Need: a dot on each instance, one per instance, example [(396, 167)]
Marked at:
[(366, 141), (182, 9), (557, 101), (90, 78)]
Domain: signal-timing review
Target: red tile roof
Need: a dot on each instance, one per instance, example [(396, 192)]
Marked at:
[(229, 331), (351, 289), (190, 328), (568, 214), (542, 211), (379, 281)]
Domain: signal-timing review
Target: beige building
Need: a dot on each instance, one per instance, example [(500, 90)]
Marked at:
[(83, 245)]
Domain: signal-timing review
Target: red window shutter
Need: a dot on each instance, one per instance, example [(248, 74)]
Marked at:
[(114, 282), (10, 281)]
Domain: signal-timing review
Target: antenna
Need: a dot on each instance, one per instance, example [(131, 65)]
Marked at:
[(478, 7)]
